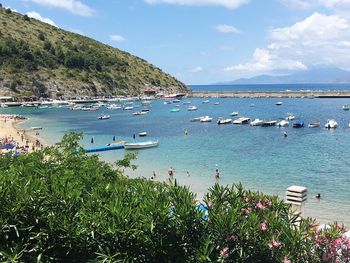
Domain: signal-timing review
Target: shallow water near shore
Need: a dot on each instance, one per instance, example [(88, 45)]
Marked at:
[(261, 158)]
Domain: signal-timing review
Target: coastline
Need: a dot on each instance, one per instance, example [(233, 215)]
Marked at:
[(28, 139)]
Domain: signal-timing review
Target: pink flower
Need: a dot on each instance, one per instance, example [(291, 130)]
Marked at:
[(268, 203), (260, 206), (286, 260), (274, 244), (246, 199), (263, 226), (224, 252)]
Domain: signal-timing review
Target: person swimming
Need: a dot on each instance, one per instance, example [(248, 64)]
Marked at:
[(217, 174), (318, 196)]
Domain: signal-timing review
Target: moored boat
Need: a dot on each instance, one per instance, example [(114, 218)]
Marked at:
[(192, 108), (143, 134), (290, 118), (298, 124), (175, 110), (268, 123), (206, 119), (331, 124), (314, 124), (104, 117), (205, 101), (279, 103), (140, 145), (256, 122), (241, 120), (129, 108), (234, 113), (197, 119), (224, 121), (346, 107), (283, 123)]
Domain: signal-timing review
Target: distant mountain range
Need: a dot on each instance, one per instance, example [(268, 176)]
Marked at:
[(315, 75)]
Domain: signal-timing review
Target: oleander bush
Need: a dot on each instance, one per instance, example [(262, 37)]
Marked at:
[(61, 205)]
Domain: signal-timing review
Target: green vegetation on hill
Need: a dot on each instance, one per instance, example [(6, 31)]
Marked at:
[(61, 205), (42, 60)]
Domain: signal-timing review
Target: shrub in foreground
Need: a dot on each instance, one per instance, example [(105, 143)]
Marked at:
[(61, 205)]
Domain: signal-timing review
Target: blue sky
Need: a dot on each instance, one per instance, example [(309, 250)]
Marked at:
[(208, 41)]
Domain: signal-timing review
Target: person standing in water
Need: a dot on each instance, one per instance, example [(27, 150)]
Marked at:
[(217, 174)]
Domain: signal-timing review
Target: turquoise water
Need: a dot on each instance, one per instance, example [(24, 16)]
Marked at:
[(261, 158)]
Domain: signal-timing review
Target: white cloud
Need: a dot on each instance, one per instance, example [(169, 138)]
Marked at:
[(42, 19), (226, 29), (338, 5), (74, 6), (317, 40), (196, 69), (231, 4), (299, 4), (117, 38)]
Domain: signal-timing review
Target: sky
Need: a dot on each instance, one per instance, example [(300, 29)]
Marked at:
[(209, 41)]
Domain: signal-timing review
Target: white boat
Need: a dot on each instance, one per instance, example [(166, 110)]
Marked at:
[(256, 122), (224, 121), (331, 124), (167, 102), (205, 101), (143, 134), (114, 107), (206, 119), (192, 108), (290, 118), (268, 123), (279, 103), (104, 117), (129, 108), (241, 120), (36, 128), (197, 119), (314, 124), (235, 113), (216, 103), (140, 145), (346, 107), (176, 101), (252, 105), (43, 107), (3, 105), (283, 123), (186, 102)]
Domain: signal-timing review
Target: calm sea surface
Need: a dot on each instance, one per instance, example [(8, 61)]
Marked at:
[(261, 158)]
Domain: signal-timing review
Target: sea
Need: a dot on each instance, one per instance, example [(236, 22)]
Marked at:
[(261, 158)]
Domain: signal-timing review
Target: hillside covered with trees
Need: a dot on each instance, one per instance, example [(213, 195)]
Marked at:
[(45, 61)]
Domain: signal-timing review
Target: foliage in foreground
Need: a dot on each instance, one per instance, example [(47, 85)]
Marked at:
[(60, 205)]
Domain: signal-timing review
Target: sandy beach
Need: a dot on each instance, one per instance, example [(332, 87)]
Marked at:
[(9, 131)]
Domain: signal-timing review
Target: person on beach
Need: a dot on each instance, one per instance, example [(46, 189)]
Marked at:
[(188, 173), (217, 174), (153, 175), (171, 172)]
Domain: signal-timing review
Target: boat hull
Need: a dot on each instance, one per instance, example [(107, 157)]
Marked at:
[(136, 146)]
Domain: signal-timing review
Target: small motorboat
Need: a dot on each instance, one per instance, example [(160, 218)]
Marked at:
[(268, 123), (175, 110), (145, 110), (234, 113), (104, 117), (197, 119), (279, 103), (298, 124), (192, 108), (331, 124), (224, 121), (216, 103), (283, 123), (241, 120), (205, 101), (36, 128), (176, 101), (143, 134), (167, 102), (140, 145), (186, 102), (252, 105), (206, 119), (314, 124), (114, 107), (256, 122), (290, 118), (136, 113), (346, 107), (129, 108)]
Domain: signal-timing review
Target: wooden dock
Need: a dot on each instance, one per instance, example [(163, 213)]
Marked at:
[(271, 94)]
